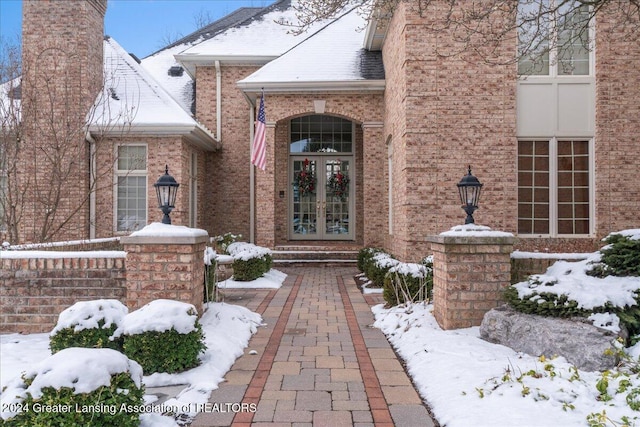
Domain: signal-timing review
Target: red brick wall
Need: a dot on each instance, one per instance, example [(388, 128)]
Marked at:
[(35, 290), (62, 73), (443, 113), (161, 151), (617, 141)]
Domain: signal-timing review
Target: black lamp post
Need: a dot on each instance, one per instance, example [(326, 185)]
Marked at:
[(166, 190), (469, 188)]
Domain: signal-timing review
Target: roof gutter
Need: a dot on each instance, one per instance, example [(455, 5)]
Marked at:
[(318, 86), (196, 134), (191, 61), (218, 102)]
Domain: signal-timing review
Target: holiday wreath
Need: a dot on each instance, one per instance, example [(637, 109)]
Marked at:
[(339, 184), (305, 180)]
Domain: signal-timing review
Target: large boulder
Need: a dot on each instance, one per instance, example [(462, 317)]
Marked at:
[(581, 343)]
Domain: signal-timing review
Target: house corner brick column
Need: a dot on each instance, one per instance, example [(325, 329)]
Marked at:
[(375, 193), (165, 266), (265, 194), (470, 274)]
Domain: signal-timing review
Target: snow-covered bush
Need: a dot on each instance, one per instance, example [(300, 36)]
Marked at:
[(572, 289), (250, 261), (60, 391), (621, 257), (378, 267), (409, 282), (163, 336), (222, 242), (365, 256), (88, 324)]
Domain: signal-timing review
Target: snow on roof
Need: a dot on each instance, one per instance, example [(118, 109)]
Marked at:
[(132, 98), (333, 54), (179, 86), (262, 37)]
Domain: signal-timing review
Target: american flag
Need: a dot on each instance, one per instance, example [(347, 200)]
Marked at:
[(259, 147)]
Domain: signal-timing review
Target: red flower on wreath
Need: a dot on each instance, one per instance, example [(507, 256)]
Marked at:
[(305, 180)]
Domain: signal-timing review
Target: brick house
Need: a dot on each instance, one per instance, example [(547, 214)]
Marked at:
[(557, 152)]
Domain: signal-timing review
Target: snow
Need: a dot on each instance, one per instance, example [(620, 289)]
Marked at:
[(474, 230), (35, 246), (547, 255), (470, 382), (272, 279), (87, 315), (571, 279), (246, 251), (61, 254), (158, 229), (332, 54), (262, 37), (632, 234), (607, 321), (160, 315), (227, 329), (179, 87), (68, 368)]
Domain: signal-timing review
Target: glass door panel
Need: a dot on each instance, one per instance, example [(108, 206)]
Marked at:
[(304, 206), (321, 204)]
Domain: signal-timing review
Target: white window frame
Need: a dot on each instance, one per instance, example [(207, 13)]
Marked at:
[(553, 54), (553, 188), (129, 173)]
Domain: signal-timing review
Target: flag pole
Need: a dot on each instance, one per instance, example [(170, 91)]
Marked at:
[(252, 174)]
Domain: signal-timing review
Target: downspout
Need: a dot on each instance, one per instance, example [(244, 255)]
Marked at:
[(218, 101), (252, 172), (92, 184)]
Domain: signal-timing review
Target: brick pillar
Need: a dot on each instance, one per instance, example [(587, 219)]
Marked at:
[(374, 182), (470, 273), (165, 262), (266, 193)]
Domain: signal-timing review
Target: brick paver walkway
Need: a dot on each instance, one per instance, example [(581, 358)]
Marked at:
[(318, 362)]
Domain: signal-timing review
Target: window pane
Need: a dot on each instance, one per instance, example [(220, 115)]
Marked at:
[(533, 187), (573, 39), (319, 133), (573, 187), (132, 157), (132, 203)]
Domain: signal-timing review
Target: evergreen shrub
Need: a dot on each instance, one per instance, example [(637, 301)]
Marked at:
[(621, 257), (250, 261), (85, 402), (163, 336), (88, 324), (168, 351)]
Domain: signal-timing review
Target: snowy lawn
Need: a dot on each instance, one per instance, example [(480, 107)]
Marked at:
[(470, 382), (227, 330)]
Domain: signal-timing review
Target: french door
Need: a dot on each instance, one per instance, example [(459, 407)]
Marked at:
[(321, 204)]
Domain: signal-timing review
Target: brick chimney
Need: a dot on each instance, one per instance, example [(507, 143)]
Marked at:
[(62, 60)]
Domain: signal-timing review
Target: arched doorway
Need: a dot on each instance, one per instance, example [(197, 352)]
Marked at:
[(322, 170)]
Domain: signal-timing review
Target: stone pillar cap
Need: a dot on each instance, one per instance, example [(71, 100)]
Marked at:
[(165, 233), (473, 234)]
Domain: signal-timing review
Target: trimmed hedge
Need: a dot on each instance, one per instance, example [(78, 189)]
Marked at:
[(89, 338), (163, 336), (56, 392), (168, 351), (250, 261), (88, 324)]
